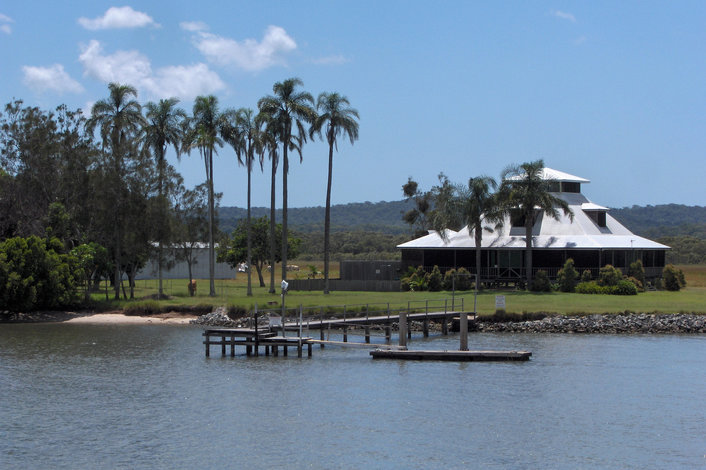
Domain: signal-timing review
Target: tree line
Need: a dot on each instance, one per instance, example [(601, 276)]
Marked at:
[(102, 180)]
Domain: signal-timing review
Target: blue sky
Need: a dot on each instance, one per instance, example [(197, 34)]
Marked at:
[(610, 91)]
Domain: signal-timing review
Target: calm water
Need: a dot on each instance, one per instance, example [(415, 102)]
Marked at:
[(75, 396)]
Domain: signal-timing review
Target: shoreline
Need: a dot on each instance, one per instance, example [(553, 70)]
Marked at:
[(116, 317)]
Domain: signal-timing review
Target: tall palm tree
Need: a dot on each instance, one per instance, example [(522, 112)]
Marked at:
[(203, 133), (269, 139), (163, 128), (242, 132), (119, 118), (474, 206), (526, 193), (289, 110), (340, 120)]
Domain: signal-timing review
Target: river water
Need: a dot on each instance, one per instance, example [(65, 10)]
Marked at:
[(86, 396)]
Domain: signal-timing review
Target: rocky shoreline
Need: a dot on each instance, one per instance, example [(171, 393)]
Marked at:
[(610, 324)]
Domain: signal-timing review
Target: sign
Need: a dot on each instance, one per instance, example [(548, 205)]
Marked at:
[(499, 302)]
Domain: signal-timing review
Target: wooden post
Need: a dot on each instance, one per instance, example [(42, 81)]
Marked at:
[(284, 350), (299, 348), (425, 328), (275, 350), (403, 328), (248, 350), (208, 344), (388, 332), (223, 346), (409, 329), (345, 334), (267, 350), (232, 346), (367, 333), (309, 347), (463, 325), (321, 330), (444, 326)]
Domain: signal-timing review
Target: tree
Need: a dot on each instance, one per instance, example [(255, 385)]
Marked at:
[(417, 217), (242, 132), (288, 109), (567, 276), (268, 141), (234, 250), (91, 258), (163, 128), (191, 222), (474, 207), (525, 193), (119, 119), (340, 119), (203, 133)]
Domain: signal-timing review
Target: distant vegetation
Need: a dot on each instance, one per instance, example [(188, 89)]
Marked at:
[(373, 230)]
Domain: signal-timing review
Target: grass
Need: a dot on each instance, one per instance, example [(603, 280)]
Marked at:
[(233, 293)]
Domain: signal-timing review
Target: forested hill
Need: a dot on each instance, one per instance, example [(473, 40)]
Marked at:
[(386, 217), (663, 220)]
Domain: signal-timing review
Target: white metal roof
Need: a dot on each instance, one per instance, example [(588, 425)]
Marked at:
[(556, 175), (581, 233)]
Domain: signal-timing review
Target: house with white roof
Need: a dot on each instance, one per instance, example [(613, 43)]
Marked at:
[(593, 239)]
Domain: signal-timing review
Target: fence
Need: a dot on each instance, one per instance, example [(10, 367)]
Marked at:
[(344, 285)]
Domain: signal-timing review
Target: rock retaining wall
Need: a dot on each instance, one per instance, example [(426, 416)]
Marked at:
[(635, 323)]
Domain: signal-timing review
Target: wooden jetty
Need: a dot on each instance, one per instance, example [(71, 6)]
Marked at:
[(252, 340), (459, 356)]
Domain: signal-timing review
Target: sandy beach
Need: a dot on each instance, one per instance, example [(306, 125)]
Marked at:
[(117, 318)]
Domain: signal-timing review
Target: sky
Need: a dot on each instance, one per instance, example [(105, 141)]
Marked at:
[(611, 91)]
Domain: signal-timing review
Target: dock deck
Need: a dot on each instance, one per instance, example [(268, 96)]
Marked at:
[(465, 356)]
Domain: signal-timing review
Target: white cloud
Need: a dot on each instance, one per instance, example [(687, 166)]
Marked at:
[(248, 54), (118, 17), (53, 78), (193, 26), (4, 24), (330, 60), (580, 40), (134, 68), (563, 15)]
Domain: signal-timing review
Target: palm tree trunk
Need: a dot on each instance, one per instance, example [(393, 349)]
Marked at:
[(285, 170), (479, 239), (211, 251), (272, 227), (528, 251), (249, 235), (327, 219)]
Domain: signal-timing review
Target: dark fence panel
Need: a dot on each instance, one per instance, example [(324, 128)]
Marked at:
[(344, 285)]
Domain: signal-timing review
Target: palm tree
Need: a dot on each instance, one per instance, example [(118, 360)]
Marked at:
[(268, 139), (525, 194), (242, 132), (289, 109), (340, 119), (120, 119), (203, 133), (474, 206), (163, 129)]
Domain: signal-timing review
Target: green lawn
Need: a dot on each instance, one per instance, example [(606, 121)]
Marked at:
[(233, 293)]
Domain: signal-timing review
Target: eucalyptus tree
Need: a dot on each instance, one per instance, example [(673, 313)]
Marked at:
[(242, 132), (203, 131), (119, 120), (163, 128), (526, 193), (474, 206), (339, 119), (289, 109)]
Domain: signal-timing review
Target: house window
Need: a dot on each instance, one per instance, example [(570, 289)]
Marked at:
[(597, 216), (569, 187)]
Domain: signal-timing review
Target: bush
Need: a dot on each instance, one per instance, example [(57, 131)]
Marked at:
[(673, 278), (449, 279), (637, 271), (624, 287), (590, 287), (434, 280), (464, 280), (586, 275), (541, 283), (566, 278), (609, 275), (36, 274), (639, 285), (416, 280)]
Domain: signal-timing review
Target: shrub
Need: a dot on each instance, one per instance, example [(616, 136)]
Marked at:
[(640, 287), (590, 287), (586, 275), (566, 278), (36, 274), (416, 280), (464, 280), (435, 280), (541, 283), (673, 278), (623, 287), (609, 275), (449, 279), (637, 271)]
